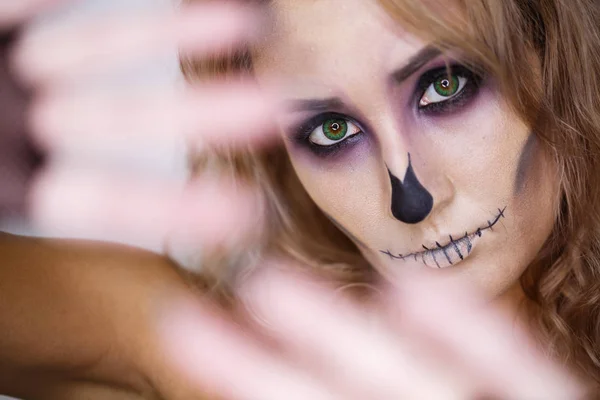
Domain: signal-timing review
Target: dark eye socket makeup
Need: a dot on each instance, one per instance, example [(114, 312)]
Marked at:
[(451, 88), (302, 133), (466, 92)]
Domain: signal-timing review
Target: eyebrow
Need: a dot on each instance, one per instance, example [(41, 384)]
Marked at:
[(314, 105), (415, 63)]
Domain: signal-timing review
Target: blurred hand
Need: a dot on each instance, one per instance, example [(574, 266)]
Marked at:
[(18, 159), (17, 156), (95, 181), (427, 339), (13, 12)]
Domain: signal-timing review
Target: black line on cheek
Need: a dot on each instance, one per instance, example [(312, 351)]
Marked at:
[(411, 202), (501, 213), (525, 162), (388, 253)]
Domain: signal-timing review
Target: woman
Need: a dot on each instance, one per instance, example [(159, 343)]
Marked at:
[(473, 155), (461, 137)]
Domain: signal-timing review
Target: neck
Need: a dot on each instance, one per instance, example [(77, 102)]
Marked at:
[(515, 304)]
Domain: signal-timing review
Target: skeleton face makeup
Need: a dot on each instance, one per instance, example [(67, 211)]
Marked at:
[(411, 202), (414, 156)]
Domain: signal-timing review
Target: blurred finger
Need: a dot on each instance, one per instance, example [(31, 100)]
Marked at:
[(62, 52), (233, 114), (214, 355), (15, 11), (497, 349), (78, 203), (18, 158), (362, 358)]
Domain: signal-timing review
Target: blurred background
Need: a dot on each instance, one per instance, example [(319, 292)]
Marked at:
[(163, 70)]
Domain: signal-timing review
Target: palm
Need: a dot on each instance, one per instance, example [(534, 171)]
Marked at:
[(73, 119)]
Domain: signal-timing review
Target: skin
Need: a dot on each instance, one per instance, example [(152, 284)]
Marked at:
[(97, 306), (490, 185)]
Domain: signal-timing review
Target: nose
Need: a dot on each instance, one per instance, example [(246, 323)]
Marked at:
[(411, 202)]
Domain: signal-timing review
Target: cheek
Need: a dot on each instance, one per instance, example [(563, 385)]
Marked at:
[(478, 151), (349, 188), (493, 160), (496, 161)]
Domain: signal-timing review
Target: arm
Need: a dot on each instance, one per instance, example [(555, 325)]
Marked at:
[(77, 312)]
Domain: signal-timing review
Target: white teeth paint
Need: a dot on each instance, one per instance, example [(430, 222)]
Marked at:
[(453, 252), (445, 256)]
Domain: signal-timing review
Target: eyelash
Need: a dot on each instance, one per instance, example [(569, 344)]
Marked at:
[(471, 88), (467, 93)]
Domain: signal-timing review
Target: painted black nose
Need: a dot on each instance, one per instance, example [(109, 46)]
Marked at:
[(411, 202)]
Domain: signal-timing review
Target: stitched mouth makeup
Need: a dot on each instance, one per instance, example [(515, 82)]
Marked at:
[(454, 250)]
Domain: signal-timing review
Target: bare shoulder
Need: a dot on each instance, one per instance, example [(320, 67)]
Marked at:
[(102, 265), (78, 252), (78, 311)]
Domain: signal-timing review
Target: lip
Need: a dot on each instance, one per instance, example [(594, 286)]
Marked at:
[(455, 250)]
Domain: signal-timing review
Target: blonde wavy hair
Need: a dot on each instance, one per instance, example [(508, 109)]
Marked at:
[(557, 92)]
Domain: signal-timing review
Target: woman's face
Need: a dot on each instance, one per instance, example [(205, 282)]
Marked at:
[(420, 167)]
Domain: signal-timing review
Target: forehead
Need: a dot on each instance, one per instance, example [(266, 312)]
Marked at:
[(332, 43)]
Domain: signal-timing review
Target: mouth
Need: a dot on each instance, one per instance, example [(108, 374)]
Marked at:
[(453, 251)]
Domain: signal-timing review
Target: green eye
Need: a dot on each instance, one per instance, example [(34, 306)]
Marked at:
[(335, 129), (443, 88), (447, 86)]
